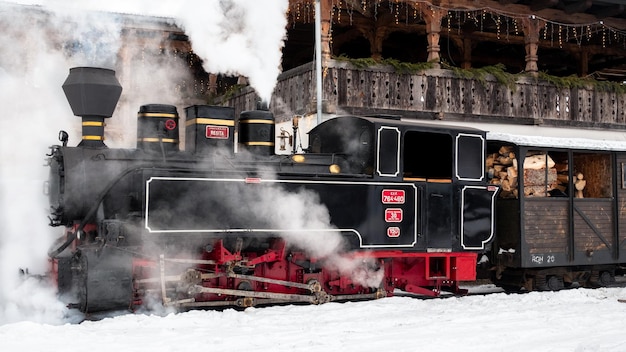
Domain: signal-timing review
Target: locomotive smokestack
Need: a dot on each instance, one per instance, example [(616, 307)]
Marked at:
[(93, 94)]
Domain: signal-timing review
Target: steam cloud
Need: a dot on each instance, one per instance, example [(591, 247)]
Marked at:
[(48, 37)]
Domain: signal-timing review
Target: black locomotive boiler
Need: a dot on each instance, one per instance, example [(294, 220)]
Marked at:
[(373, 205)]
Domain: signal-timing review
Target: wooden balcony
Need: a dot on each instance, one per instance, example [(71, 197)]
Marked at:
[(443, 94)]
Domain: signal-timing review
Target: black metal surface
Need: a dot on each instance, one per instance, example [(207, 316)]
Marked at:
[(210, 130), (256, 132), (106, 280), (157, 128), (92, 91)]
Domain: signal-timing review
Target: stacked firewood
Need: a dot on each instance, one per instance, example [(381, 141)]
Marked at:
[(535, 175), (503, 171)]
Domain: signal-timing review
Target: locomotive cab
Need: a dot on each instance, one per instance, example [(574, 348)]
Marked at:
[(390, 150)]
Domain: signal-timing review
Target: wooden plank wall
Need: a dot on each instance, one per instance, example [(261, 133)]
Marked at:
[(546, 225), (595, 237), (347, 89), (621, 205)]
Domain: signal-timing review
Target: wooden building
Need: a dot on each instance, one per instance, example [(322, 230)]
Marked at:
[(532, 62), (529, 62)]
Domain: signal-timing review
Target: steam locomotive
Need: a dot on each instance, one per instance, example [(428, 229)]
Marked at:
[(375, 204), (365, 210)]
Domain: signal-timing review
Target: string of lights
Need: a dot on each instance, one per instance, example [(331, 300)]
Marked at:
[(503, 23)]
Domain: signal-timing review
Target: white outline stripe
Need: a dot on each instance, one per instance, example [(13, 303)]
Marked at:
[(493, 204), (397, 152), (271, 181), (482, 161)]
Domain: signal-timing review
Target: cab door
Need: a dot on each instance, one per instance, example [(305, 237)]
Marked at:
[(438, 212)]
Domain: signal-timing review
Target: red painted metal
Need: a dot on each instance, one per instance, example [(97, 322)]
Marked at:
[(279, 271), (276, 271)]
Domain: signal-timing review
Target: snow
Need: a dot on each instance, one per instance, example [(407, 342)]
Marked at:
[(571, 320), (558, 142)]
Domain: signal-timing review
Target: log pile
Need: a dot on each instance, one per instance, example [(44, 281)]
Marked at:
[(542, 176), (502, 170), (535, 175)]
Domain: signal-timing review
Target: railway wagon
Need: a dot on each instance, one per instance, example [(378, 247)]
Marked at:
[(561, 216)]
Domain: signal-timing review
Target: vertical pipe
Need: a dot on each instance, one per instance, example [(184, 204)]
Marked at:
[(318, 59)]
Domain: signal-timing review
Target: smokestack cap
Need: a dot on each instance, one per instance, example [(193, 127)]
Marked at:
[(92, 91)]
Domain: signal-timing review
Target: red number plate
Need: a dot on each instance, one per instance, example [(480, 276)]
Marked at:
[(393, 232), (393, 215), (393, 196), (217, 132)]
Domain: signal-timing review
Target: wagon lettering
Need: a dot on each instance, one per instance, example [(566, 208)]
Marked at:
[(537, 259)]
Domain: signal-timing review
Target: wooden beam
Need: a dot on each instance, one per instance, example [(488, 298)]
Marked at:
[(538, 5), (609, 11), (578, 6)]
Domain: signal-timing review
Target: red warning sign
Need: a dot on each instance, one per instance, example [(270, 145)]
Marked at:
[(393, 232), (393, 196), (217, 132), (393, 215)]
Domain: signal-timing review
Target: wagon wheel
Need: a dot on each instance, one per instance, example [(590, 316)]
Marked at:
[(606, 278), (600, 279), (549, 283), (554, 283)]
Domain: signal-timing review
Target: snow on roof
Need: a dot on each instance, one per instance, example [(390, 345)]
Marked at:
[(558, 142), (551, 136)]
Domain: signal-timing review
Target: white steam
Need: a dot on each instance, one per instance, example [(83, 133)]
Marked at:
[(239, 37), (45, 40), (306, 224), (33, 108)]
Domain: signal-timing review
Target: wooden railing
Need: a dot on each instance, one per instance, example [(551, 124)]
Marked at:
[(440, 94)]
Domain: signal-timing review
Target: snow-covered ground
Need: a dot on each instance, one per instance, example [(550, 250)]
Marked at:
[(571, 320)]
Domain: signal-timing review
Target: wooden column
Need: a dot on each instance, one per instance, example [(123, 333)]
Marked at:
[(583, 63), (531, 27), (326, 8), (377, 44), (432, 17), (212, 83), (467, 54), (375, 35)]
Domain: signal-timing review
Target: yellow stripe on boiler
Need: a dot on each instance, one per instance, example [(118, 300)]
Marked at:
[(205, 121)]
